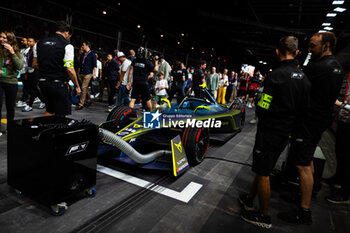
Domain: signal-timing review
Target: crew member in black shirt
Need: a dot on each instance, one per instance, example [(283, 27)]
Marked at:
[(55, 59), (325, 74), (198, 79), (112, 72), (280, 108), (139, 70), (179, 77)]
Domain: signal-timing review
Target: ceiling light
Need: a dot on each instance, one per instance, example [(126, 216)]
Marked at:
[(203, 51), (182, 34), (138, 26), (161, 35), (212, 49), (340, 9), (118, 3), (178, 42), (331, 14), (264, 63), (338, 2), (192, 48), (322, 31), (104, 12), (328, 28), (270, 70), (326, 24), (260, 61)]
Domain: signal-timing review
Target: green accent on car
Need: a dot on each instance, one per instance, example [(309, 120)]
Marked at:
[(201, 107)]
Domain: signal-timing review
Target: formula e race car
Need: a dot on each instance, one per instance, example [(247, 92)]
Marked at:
[(170, 137)]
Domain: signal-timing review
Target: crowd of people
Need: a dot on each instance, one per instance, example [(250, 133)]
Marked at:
[(127, 82), (291, 102), (157, 80)]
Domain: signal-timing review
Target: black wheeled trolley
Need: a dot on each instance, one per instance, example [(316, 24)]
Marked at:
[(51, 159)]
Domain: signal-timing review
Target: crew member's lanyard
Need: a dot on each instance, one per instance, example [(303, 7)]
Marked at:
[(28, 57), (85, 57)]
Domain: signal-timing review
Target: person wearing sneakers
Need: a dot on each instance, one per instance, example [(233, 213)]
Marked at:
[(11, 61), (32, 78), (55, 62), (326, 75), (122, 84), (87, 71), (285, 96), (160, 89), (25, 92)]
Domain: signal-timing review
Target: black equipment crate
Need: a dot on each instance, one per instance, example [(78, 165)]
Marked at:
[(50, 159)]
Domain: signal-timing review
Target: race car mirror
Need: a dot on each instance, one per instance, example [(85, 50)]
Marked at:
[(180, 163), (166, 101)]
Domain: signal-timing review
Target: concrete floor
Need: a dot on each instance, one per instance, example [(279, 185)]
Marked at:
[(120, 206)]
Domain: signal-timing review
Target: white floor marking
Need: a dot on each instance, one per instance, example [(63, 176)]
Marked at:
[(185, 195)]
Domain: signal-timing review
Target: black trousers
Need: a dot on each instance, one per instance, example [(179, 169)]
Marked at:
[(113, 91), (34, 92), (176, 88), (10, 91), (342, 150), (25, 91)]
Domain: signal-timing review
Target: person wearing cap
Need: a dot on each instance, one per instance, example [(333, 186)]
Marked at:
[(160, 89), (122, 84)]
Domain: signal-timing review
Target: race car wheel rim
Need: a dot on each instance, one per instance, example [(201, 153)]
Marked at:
[(202, 145)]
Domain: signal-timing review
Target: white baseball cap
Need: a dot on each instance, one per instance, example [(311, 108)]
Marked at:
[(120, 54)]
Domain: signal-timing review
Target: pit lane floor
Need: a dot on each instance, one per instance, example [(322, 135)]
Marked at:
[(120, 206)]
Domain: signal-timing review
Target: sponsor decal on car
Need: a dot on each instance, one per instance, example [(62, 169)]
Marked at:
[(157, 120)]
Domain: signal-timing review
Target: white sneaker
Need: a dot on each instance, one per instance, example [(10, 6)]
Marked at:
[(36, 100), (21, 104), (27, 109), (42, 105), (253, 121)]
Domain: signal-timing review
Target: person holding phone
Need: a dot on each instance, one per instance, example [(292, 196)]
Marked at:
[(10, 64)]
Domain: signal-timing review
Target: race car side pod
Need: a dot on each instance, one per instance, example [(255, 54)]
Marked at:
[(112, 139)]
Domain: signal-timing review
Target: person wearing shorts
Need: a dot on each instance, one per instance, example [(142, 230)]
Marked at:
[(160, 89), (285, 94), (326, 75), (139, 71)]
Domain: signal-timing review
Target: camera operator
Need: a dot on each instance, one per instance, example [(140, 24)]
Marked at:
[(140, 69)]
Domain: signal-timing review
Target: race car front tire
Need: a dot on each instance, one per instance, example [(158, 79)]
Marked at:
[(120, 116), (196, 144)]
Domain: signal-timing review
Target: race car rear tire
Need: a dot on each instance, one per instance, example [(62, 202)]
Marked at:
[(196, 144), (120, 115)]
